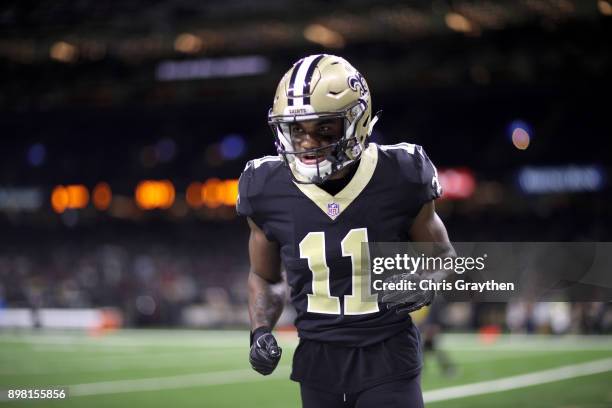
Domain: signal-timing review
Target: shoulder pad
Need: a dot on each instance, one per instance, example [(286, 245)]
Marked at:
[(414, 166), (252, 181)]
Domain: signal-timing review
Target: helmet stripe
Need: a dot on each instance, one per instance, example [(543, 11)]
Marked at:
[(299, 84), (308, 78), (292, 81)]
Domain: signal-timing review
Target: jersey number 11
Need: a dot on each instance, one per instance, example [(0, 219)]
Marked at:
[(361, 301)]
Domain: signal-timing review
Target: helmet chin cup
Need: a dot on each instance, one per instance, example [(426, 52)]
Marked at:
[(314, 173)]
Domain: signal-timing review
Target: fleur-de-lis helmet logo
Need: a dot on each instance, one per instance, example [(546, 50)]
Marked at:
[(357, 83)]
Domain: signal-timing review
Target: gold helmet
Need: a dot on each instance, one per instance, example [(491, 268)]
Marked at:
[(320, 87)]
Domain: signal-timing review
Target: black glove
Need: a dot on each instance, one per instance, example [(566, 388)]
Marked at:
[(407, 301), (265, 353)]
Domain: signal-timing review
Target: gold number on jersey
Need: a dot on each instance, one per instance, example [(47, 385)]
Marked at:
[(312, 248), (360, 301)]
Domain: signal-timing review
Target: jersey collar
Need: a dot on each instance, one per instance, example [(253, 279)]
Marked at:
[(334, 205)]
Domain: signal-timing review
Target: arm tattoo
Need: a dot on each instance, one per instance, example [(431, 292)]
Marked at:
[(266, 306)]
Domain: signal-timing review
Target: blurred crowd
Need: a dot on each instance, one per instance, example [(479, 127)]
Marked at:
[(198, 278), (149, 279)]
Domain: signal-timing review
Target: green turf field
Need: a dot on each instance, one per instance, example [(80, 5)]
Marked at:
[(210, 369)]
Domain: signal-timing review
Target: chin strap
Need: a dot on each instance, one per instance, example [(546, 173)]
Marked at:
[(317, 180), (373, 122)]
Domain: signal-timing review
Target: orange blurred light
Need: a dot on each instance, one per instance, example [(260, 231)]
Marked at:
[(324, 36), (78, 196), (194, 194), (59, 199), (102, 196), (151, 194), (520, 138), (63, 52), (72, 196), (188, 43), (169, 188), (604, 7), (457, 22), (230, 192), (212, 193)]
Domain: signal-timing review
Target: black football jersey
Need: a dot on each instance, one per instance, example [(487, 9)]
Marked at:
[(320, 236)]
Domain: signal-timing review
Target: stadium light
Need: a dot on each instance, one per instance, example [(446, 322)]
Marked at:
[(604, 7), (232, 146), (78, 196), (561, 179), (59, 199), (230, 192), (102, 196), (152, 194), (188, 43), (457, 22), (520, 138), (63, 52), (20, 199), (212, 68), (37, 154), (457, 183), (73, 196), (212, 193), (193, 195), (324, 36), (520, 134)]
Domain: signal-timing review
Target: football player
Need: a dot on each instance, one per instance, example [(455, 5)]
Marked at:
[(309, 209), (431, 327)]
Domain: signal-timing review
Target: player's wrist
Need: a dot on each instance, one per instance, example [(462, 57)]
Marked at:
[(258, 332)]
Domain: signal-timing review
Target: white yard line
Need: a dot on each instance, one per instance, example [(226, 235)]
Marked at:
[(166, 383), (89, 364), (526, 347), (106, 342), (247, 375), (519, 381), (174, 382)]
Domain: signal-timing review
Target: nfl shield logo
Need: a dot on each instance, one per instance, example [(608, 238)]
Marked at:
[(333, 209)]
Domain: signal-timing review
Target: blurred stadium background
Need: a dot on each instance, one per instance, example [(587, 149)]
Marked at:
[(125, 126)]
